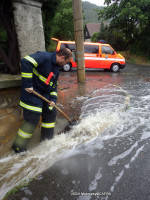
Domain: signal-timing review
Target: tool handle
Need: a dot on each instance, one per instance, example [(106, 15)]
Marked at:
[(40, 96)]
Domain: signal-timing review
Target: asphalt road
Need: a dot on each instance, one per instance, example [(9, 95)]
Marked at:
[(112, 159)]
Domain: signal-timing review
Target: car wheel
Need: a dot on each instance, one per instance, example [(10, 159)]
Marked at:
[(67, 67), (115, 68)]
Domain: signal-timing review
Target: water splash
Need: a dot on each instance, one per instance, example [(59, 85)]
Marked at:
[(103, 119), (16, 168)]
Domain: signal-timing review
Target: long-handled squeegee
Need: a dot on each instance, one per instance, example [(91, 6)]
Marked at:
[(71, 122)]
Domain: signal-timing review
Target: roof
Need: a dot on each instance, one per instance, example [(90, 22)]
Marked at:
[(93, 27)]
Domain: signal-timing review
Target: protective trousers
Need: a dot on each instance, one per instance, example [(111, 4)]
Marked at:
[(27, 128)]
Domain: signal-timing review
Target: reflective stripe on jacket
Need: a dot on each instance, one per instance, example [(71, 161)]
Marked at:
[(35, 69)]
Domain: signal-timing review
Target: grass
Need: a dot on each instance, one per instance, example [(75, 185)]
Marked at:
[(17, 188), (134, 59)]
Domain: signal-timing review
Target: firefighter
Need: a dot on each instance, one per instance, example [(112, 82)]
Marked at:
[(35, 69)]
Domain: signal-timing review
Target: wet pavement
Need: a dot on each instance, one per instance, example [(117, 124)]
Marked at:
[(106, 156)]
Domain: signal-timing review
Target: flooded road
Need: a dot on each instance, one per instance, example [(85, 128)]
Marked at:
[(106, 156)]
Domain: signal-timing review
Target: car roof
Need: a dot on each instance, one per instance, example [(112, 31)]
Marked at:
[(73, 42), (89, 43)]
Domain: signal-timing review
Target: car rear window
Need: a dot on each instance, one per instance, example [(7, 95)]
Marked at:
[(91, 48), (87, 48), (69, 46)]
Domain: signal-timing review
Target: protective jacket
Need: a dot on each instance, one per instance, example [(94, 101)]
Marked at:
[(35, 69)]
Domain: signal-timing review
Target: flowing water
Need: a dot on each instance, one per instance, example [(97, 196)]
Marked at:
[(111, 113)]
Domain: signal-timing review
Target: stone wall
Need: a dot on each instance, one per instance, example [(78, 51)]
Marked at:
[(30, 36), (10, 113), (29, 26)]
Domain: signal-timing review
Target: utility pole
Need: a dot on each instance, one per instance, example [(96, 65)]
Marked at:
[(79, 39)]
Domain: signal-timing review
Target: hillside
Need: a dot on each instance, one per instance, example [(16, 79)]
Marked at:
[(89, 12)]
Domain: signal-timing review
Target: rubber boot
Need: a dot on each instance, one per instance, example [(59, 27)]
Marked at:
[(48, 122), (47, 131), (23, 137)]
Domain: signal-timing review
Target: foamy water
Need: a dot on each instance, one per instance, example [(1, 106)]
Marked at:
[(15, 168), (126, 139), (104, 117)]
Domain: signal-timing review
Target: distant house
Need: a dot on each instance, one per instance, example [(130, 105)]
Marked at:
[(90, 29)]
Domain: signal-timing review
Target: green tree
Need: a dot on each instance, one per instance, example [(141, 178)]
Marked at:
[(63, 28), (48, 12), (113, 37), (130, 17)]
